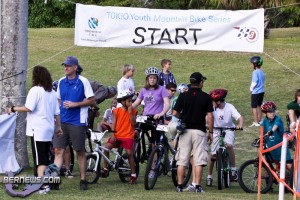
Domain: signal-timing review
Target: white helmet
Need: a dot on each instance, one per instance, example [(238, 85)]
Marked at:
[(124, 95), (172, 130), (151, 71), (182, 88)]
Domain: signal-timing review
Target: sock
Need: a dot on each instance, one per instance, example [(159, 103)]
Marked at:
[(233, 168), (194, 184), (180, 186), (133, 175), (209, 176)]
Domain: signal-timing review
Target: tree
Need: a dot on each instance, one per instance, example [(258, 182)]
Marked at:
[(14, 63)]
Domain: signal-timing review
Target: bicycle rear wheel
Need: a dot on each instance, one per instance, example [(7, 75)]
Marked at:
[(220, 168), (92, 171), (124, 168), (153, 168), (248, 176), (187, 175)]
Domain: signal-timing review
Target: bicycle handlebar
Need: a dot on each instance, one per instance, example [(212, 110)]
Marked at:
[(229, 128)]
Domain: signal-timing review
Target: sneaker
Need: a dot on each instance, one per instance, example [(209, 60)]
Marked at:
[(132, 180), (83, 185), (200, 190), (104, 173), (151, 174), (68, 174), (209, 182), (190, 188), (254, 124), (44, 189), (178, 189), (234, 176)]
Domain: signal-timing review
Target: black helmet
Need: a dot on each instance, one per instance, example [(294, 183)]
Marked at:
[(79, 70), (257, 60), (55, 85)]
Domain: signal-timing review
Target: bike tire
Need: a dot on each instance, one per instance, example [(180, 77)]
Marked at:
[(187, 175), (248, 175), (124, 168), (226, 173), (137, 150), (151, 175), (220, 168), (92, 175)]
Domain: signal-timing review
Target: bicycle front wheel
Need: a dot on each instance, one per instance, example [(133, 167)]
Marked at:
[(226, 169), (153, 168), (248, 176), (220, 168), (92, 170)]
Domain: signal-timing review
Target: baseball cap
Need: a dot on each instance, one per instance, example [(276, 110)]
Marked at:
[(70, 60), (196, 77)]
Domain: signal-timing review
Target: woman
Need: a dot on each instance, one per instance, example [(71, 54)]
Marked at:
[(155, 98), (41, 107)]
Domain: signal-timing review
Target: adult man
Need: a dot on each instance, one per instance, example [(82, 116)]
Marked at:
[(75, 94), (257, 89), (193, 107)]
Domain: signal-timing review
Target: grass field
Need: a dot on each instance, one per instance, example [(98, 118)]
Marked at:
[(230, 70)]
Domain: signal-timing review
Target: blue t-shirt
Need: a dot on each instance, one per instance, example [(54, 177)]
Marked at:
[(258, 77), (276, 138), (75, 90)]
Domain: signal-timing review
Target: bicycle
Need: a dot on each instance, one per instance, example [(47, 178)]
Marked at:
[(160, 163), (120, 162), (223, 159), (140, 147), (248, 173)]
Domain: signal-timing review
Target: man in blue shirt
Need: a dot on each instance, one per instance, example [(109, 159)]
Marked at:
[(257, 89), (75, 95)]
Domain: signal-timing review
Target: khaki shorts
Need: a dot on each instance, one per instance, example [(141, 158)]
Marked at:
[(228, 139), (192, 141)]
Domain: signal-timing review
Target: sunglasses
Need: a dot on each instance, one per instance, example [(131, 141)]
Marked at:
[(173, 90)]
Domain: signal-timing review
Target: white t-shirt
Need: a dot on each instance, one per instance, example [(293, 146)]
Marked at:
[(108, 115), (125, 84), (224, 117), (43, 106)]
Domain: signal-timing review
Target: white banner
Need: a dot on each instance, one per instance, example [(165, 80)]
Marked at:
[(212, 30), (8, 161)]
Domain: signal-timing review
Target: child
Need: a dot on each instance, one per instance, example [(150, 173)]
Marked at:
[(165, 75), (171, 88), (273, 127), (107, 117), (123, 122), (224, 113), (126, 82)]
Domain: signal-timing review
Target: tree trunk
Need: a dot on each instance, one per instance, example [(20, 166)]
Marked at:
[(14, 64)]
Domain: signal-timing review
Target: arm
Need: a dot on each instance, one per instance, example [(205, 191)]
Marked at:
[(293, 120), (210, 126), (86, 102), (241, 122), (132, 116), (17, 109), (58, 129), (165, 110), (136, 103), (113, 126)]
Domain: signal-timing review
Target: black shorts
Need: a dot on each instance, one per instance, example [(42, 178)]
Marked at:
[(40, 152), (257, 99)]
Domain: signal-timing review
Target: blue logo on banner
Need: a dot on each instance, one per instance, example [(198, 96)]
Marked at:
[(93, 22)]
